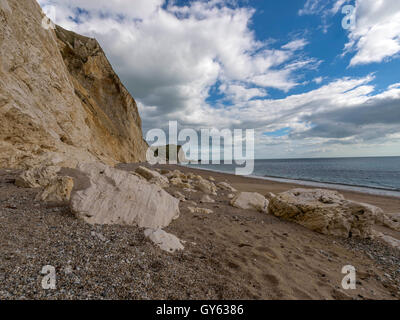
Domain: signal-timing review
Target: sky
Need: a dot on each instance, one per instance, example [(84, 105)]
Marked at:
[(310, 79)]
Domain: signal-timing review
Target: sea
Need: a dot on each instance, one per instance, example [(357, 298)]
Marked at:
[(374, 175)]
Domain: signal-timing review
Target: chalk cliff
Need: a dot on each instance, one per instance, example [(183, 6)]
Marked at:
[(60, 100)]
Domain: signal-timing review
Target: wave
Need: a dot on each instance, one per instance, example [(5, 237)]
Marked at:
[(334, 183)]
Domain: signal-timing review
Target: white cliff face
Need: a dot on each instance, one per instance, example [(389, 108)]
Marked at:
[(46, 115)]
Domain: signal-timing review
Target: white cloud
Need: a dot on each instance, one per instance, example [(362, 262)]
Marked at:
[(376, 35), (377, 32), (240, 94), (394, 86), (318, 80), (130, 8), (340, 114), (338, 94), (311, 7), (323, 7), (295, 44)]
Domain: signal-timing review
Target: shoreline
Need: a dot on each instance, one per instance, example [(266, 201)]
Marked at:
[(316, 184), (389, 204)]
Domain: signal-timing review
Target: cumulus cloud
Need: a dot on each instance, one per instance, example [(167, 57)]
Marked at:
[(376, 35)]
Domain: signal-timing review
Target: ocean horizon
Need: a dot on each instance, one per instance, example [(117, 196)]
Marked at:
[(374, 175)]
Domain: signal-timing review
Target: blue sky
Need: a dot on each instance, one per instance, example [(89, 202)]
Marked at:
[(287, 69)]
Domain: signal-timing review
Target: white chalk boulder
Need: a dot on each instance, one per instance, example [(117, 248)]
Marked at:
[(250, 201), (165, 241), (226, 186), (393, 242), (179, 196), (389, 220), (178, 183), (113, 196), (153, 176), (207, 199), (326, 212), (205, 186)]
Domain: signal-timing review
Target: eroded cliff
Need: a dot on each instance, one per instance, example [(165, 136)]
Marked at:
[(60, 100)]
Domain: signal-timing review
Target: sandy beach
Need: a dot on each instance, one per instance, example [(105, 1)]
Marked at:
[(229, 254), (282, 260)]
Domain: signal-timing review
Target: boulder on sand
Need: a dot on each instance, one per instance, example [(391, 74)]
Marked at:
[(112, 196), (226, 186), (393, 242), (178, 183), (37, 177), (207, 199), (326, 212), (165, 241), (205, 186), (389, 220), (176, 174), (249, 201), (269, 196), (153, 176), (179, 196)]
